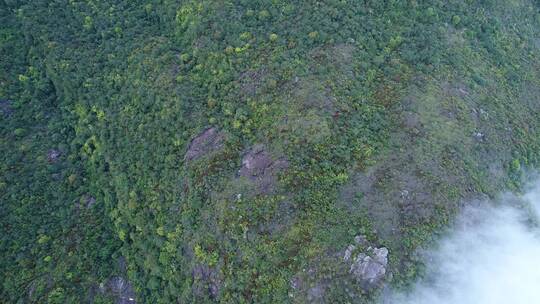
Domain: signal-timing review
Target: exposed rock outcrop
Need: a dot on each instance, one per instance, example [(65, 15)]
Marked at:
[(85, 201), (53, 155), (207, 142), (121, 290), (90, 201), (206, 281), (368, 266), (261, 168), (310, 291)]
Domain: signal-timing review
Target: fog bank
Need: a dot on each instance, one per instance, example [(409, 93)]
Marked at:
[(491, 256)]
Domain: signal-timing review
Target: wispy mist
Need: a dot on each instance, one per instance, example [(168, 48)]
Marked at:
[(491, 256)]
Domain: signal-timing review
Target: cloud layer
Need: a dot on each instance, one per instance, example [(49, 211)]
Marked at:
[(492, 256)]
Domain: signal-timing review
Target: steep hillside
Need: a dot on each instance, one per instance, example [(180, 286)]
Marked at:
[(252, 151)]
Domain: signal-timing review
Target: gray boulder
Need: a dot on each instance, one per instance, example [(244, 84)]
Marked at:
[(53, 155), (207, 142), (368, 266), (370, 270), (261, 168), (121, 290), (206, 280)]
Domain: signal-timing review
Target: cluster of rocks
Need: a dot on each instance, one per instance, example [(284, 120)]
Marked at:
[(367, 264), (359, 269), (258, 165)]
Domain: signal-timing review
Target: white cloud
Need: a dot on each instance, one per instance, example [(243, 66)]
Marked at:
[(492, 256)]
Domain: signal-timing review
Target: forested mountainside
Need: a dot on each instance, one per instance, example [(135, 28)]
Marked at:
[(252, 151)]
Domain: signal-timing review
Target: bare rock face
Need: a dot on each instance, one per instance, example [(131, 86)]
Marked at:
[(358, 269), (121, 289), (90, 201), (86, 201), (367, 266), (206, 281), (252, 81), (205, 143), (261, 168), (370, 270), (311, 291), (53, 155), (316, 293)]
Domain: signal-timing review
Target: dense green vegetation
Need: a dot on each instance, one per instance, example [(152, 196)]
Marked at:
[(389, 114)]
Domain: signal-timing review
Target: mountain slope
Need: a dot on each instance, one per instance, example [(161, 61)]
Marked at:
[(235, 149)]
